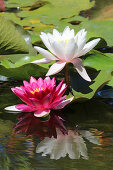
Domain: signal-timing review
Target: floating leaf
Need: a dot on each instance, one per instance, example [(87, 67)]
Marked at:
[(23, 69), (98, 61), (102, 29), (11, 41), (82, 89)]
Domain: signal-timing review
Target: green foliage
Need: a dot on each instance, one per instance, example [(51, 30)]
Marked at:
[(22, 69), (98, 61), (82, 89), (11, 41), (102, 29)]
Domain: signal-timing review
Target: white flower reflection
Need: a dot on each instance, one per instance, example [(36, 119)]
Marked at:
[(72, 144)]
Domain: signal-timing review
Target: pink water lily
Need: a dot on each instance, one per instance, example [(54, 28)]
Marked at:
[(40, 96), (65, 48)]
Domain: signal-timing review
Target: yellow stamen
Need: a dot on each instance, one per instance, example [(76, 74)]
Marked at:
[(37, 90), (65, 41)]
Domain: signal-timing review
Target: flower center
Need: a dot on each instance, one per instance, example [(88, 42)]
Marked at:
[(65, 41), (37, 90)]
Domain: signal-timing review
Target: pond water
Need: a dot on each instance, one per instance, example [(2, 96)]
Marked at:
[(88, 144)]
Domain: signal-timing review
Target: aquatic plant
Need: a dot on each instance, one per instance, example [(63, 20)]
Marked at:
[(66, 48), (40, 96)]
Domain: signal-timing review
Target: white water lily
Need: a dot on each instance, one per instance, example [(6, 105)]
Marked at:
[(71, 144), (65, 48)]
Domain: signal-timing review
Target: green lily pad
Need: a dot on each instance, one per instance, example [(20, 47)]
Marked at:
[(23, 69), (110, 83), (11, 41), (64, 8), (83, 89), (17, 3), (98, 61), (102, 29)]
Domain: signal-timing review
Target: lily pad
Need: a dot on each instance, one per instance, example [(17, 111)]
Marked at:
[(98, 61), (83, 89), (64, 8), (23, 69), (110, 83), (102, 29), (11, 41)]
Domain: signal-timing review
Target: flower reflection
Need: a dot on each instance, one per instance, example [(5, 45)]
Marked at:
[(72, 144), (30, 125)]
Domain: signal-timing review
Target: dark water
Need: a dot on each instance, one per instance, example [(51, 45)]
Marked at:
[(89, 139)]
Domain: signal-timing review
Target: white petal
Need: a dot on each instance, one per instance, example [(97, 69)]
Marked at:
[(80, 69), (90, 45), (64, 103), (45, 40), (56, 34), (58, 49), (70, 49), (45, 53), (66, 30), (12, 109), (67, 33), (82, 33), (41, 61), (55, 68), (80, 39)]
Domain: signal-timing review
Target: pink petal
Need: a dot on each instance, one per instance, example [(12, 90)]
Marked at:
[(47, 80), (25, 108), (41, 113), (45, 53), (64, 103), (59, 93), (32, 80), (80, 69), (41, 61), (40, 82), (34, 83), (53, 82), (35, 102), (62, 91), (27, 86), (21, 95), (55, 68), (54, 104)]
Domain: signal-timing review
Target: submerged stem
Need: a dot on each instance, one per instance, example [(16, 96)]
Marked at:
[(67, 76)]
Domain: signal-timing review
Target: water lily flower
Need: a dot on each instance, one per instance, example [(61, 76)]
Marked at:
[(40, 96), (65, 48)]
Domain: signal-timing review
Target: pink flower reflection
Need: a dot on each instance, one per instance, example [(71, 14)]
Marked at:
[(30, 125)]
